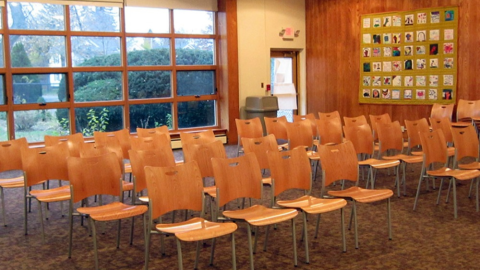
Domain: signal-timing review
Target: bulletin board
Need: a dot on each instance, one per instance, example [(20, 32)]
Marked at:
[(409, 57)]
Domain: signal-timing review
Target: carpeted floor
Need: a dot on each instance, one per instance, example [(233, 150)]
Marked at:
[(428, 238)]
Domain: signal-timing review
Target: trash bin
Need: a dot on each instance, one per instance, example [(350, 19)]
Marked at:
[(261, 106)]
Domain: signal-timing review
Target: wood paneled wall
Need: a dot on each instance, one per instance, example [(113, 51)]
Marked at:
[(333, 36)]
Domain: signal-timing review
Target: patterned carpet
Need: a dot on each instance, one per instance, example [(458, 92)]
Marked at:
[(428, 238)]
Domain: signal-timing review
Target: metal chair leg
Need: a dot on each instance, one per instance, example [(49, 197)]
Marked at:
[(94, 236), (317, 225), (179, 252), (305, 237), (354, 211), (212, 252), (294, 238), (389, 217), (440, 191), (4, 216), (342, 225), (454, 197), (250, 249), (418, 188), (234, 256), (41, 220)]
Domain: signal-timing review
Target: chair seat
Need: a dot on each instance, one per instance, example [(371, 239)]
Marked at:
[(461, 124), (267, 181), (53, 194), (451, 151), (127, 186), (12, 182), (379, 163), (458, 174), (144, 199), (417, 153), (313, 205), (259, 215), (470, 166), (197, 229), (113, 211), (363, 195), (405, 158), (128, 168), (313, 155), (211, 191)]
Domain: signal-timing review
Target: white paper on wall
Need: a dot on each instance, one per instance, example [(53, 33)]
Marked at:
[(286, 95)]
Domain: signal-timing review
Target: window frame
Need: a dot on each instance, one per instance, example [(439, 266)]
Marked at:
[(69, 70)]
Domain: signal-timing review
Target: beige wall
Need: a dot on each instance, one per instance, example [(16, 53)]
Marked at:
[(259, 24)]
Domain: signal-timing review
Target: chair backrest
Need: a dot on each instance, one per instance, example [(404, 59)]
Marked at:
[(434, 148), (339, 162), (203, 154), (260, 147), (290, 170), (466, 142), (442, 110), (276, 126), (94, 150), (299, 134), (45, 163), (390, 137), (334, 114), (237, 178), (73, 141), (355, 121), (205, 136), (155, 158), (445, 125), (99, 175), (376, 119), (249, 128), (157, 141), (329, 130), (174, 188), (123, 139), (466, 109), (309, 116), (361, 137), (10, 154), (413, 128), (149, 132)]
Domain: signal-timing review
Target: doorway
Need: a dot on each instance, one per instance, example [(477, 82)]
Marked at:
[(283, 69)]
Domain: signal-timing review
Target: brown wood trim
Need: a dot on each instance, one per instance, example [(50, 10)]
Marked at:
[(228, 67)]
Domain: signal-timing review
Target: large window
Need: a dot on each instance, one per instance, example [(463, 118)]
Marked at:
[(103, 68)]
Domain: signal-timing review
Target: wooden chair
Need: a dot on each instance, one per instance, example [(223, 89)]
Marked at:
[(300, 134), (123, 137), (445, 126), (375, 119), (329, 130), (362, 139), (391, 147), (40, 165), (180, 187), (241, 178), (276, 126), (10, 161), (466, 151), (467, 109), (441, 111), (435, 164), (73, 141), (334, 114), (354, 121), (162, 157), (248, 128), (99, 175), (156, 141), (203, 154), (149, 132), (311, 118), (94, 150), (339, 162), (260, 147), (116, 139), (413, 129), (205, 136), (291, 170)]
